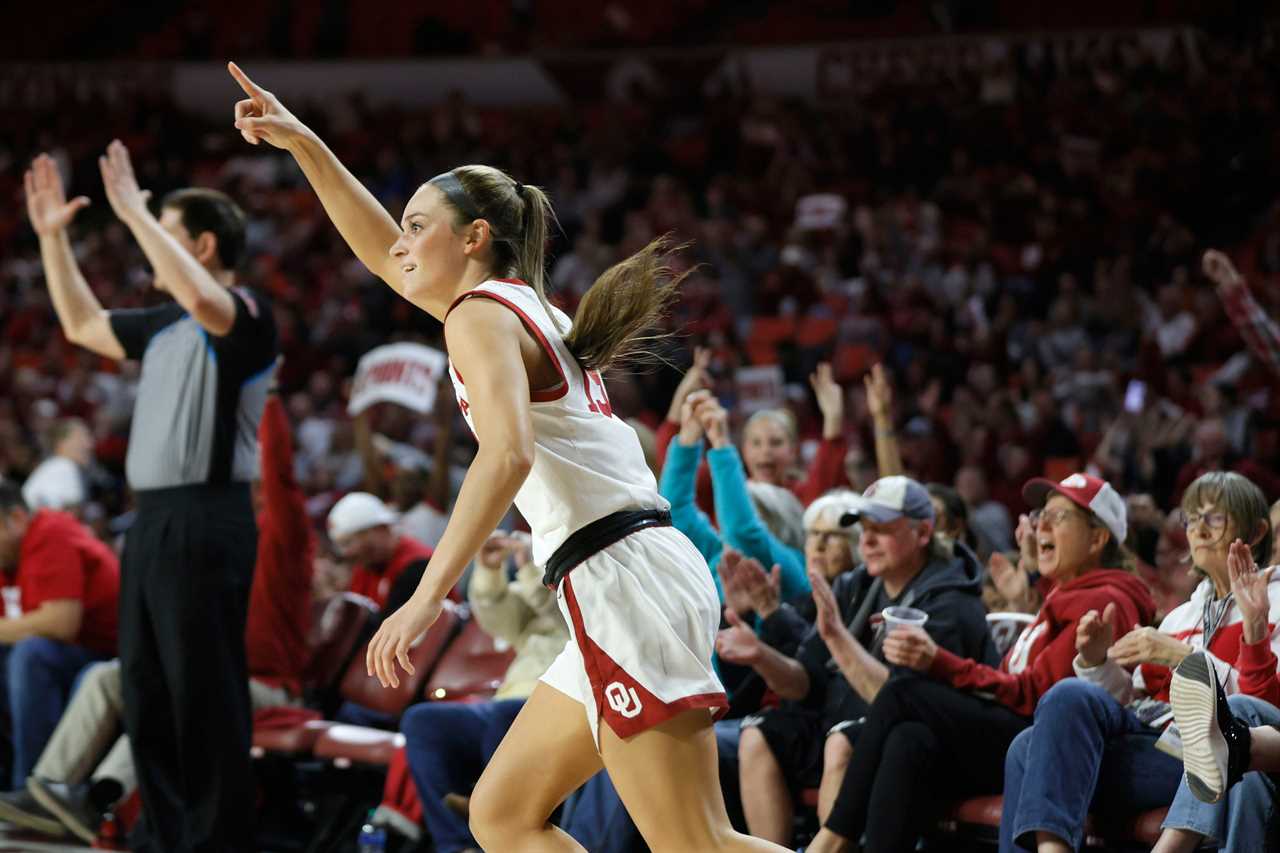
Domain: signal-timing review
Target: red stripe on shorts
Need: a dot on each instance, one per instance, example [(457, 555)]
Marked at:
[(622, 701)]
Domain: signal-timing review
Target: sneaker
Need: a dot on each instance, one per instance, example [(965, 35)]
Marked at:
[(1215, 745), (21, 809), (70, 804)]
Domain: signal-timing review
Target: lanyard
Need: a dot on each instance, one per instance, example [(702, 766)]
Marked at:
[(1214, 613)]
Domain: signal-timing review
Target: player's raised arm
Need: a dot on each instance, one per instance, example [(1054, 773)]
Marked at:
[(359, 217)]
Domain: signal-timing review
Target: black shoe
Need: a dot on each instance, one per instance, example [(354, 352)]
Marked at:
[(1215, 745), (20, 809), (70, 804)]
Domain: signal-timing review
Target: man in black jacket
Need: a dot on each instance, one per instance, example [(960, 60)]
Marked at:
[(830, 671)]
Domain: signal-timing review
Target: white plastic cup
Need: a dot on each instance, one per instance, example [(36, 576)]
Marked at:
[(903, 616)]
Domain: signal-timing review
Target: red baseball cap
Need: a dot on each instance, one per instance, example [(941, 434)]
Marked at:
[(1088, 492)]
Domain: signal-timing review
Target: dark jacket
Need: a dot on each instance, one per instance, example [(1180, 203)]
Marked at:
[(950, 591)]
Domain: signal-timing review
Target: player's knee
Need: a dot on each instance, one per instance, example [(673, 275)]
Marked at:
[(492, 815)]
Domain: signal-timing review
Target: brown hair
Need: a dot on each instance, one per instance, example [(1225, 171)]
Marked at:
[(627, 300), (1114, 554), (204, 209), (1242, 501)]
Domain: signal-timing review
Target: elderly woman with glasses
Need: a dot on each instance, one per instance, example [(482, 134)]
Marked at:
[(1094, 742), (942, 734)]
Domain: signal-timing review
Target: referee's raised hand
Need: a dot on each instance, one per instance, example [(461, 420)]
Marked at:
[(47, 204), (390, 646)]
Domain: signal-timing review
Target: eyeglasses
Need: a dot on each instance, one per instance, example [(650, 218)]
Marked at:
[(822, 537), (1055, 517), (1216, 521)]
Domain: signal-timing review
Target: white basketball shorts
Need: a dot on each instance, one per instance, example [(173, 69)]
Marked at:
[(642, 615)]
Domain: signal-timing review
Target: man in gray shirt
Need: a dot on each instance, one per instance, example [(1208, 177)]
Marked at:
[(207, 359)]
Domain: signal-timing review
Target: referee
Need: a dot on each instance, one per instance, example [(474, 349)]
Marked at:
[(207, 360)]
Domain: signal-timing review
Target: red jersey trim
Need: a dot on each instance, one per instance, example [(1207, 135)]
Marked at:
[(545, 395)]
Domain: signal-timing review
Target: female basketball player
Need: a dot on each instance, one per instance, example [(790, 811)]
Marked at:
[(639, 598)]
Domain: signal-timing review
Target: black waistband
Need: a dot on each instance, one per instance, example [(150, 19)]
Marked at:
[(597, 536), (211, 495)]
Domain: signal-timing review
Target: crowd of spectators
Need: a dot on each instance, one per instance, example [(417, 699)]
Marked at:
[(971, 274), (1016, 241)]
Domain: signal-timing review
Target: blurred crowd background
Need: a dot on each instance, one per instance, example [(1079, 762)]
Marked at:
[(1014, 233)]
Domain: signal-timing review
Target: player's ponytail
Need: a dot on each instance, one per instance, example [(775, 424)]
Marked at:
[(626, 302), (623, 304)]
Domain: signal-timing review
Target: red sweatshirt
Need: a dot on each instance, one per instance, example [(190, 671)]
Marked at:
[(825, 473), (375, 583), (1043, 653), (280, 599)]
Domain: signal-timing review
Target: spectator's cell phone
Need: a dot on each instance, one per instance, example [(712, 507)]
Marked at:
[(1135, 396)]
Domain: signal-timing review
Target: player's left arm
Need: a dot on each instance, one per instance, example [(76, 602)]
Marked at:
[(484, 342)]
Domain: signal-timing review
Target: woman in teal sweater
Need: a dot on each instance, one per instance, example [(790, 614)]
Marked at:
[(761, 521)]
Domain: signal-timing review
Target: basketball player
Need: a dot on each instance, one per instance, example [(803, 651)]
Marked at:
[(639, 598)]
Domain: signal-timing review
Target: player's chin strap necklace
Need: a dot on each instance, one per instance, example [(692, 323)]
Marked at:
[(1214, 614)]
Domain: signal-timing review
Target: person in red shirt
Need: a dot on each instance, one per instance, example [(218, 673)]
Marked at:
[(363, 529), (68, 582)]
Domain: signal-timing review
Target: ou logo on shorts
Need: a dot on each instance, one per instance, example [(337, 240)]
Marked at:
[(623, 699)]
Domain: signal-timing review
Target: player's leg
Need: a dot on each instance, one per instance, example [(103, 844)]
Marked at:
[(546, 755), (668, 777)]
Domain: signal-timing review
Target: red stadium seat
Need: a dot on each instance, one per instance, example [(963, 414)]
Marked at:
[(981, 816), (365, 690), (773, 330), (334, 633), (294, 740), (471, 669), (853, 360), (816, 331), (347, 745), (358, 687), (335, 629)]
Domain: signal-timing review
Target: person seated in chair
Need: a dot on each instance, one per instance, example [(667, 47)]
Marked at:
[(840, 666), (68, 582)]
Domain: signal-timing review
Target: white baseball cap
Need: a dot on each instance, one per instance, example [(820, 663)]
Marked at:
[(356, 512), (889, 499)]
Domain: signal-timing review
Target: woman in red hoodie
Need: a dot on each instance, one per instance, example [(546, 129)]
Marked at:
[(943, 734)]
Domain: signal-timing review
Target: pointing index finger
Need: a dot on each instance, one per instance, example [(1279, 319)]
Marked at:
[(250, 88)]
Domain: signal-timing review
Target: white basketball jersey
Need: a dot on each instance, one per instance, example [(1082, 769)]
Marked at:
[(587, 463)]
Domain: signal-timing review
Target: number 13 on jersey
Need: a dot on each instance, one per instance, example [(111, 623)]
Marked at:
[(597, 396)]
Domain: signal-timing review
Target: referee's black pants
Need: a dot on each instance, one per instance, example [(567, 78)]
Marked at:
[(184, 594), (924, 743)]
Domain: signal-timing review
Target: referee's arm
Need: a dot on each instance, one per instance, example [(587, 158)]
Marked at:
[(83, 319), (192, 277), (81, 316)]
